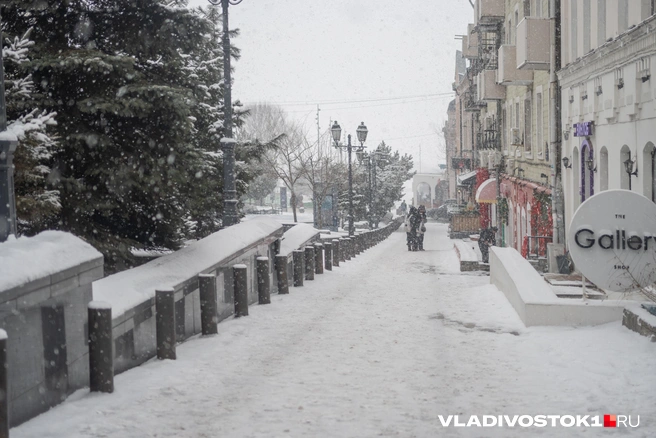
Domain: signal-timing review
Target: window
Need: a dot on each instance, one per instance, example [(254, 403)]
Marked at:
[(538, 124), (528, 135), (574, 34), (516, 21), (516, 114), (601, 22), (623, 15), (505, 129), (538, 8), (527, 8), (586, 26), (625, 178), (509, 33), (603, 169)]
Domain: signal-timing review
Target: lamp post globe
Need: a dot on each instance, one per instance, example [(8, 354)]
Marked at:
[(362, 132), (336, 131)]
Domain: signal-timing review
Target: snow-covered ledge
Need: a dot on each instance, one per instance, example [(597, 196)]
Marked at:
[(534, 300)]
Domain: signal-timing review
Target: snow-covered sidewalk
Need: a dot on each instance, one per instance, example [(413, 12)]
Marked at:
[(380, 346)]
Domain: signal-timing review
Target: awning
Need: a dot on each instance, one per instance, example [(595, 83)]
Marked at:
[(487, 192), (466, 178)]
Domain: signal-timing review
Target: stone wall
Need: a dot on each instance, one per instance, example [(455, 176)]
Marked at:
[(46, 322)]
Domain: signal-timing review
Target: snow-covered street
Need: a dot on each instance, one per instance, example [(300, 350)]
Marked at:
[(380, 346)]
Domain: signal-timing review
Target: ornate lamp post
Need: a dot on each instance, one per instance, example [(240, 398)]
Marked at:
[(228, 142), (8, 143), (362, 131)]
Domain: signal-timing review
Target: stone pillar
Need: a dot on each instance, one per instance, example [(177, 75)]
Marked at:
[(299, 267), (263, 281), (336, 251), (281, 273), (318, 258), (328, 255), (208, 304), (309, 263), (101, 347), (165, 323), (240, 281)]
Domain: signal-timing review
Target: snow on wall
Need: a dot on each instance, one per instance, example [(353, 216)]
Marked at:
[(297, 236), (127, 289), (27, 259)]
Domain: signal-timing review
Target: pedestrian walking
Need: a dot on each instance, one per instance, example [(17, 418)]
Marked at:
[(487, 239), (421, 212), (410, 225)]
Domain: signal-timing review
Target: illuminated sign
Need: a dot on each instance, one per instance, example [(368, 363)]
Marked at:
[(583, 129)]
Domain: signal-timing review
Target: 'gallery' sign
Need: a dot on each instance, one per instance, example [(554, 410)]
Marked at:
[(612, 240), (583, 129)]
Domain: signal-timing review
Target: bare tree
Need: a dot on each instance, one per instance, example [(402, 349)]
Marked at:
[(323, 171), (286, 160)]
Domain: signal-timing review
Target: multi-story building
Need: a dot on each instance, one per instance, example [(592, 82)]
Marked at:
[(504, 122), (608, 98)]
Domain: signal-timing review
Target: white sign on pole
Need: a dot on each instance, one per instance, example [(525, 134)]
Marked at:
[(612, 240)]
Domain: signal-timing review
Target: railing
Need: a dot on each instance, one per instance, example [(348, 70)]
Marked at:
[(535, 246)]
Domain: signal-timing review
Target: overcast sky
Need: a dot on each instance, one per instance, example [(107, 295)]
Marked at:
[(387, 63)]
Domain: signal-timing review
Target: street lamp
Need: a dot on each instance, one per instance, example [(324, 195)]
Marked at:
[(362, 131), (228, 142)]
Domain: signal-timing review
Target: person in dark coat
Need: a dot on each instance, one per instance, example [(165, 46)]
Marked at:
[(411, 228), (487, 239), (421, 229)]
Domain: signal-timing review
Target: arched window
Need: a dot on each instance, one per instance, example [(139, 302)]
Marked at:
[(576, 177), (649, 171), (625, 178), (603, 169), (587, 174)]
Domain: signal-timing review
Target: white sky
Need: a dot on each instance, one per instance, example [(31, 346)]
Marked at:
[(340, 51)]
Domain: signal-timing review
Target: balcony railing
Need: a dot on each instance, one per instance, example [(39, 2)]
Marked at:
[(489, 11), (508, 74), (533, 43), (487, 87)]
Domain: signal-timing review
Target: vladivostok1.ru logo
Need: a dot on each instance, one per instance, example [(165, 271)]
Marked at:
[(605, 420)]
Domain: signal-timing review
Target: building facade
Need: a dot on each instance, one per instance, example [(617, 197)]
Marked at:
[(608, 98)]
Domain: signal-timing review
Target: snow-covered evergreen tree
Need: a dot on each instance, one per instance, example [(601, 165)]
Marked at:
[(37, 204)]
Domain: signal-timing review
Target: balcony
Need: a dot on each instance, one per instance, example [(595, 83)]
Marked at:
[(533, 44), (489, 11), (471, 102), (508, 74), (487, 87), (468, 51)]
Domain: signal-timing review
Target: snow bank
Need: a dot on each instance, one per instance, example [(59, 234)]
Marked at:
[(295, 237), (127, 289), (28, 259)]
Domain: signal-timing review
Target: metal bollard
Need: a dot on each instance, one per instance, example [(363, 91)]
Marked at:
[(309, 263), (299, 267), (328, 255), (318, 258), (208, 305), (165, 323), (101, 347), (4, 386), (240, 281), (263, 280), (280, 262), (336, 251), (342, 249)]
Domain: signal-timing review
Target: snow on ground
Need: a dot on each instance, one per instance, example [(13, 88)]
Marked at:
[(380, 346)]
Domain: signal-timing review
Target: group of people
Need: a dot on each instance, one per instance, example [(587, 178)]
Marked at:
[(415, 227)]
